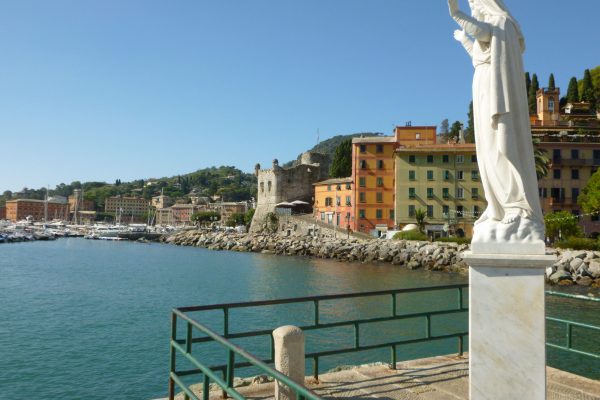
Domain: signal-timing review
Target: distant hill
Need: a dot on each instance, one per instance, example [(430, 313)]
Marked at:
[(328, 146)]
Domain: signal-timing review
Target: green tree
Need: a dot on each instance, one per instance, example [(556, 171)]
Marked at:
[(470, 130), (542, 161), (420, 215), (444, 127), (573, 91), (527, 81), (532, 95), (589, 199), (248, 217), (205, 217), (341, 165), (455, 131), (551, 83), (561, 225), (236, 219), (588, 93)]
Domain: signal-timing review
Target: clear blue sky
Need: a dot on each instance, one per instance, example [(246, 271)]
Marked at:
[(107, 89)]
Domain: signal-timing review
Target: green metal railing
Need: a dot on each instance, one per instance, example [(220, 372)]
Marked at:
[(183, 347), (568, 346)]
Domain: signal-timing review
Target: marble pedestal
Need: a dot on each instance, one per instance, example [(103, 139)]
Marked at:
[(507, 351)]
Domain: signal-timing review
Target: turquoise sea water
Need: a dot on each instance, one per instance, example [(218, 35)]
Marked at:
[(90, 319)]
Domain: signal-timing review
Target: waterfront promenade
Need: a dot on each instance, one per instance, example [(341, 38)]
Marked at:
[(436, 378)]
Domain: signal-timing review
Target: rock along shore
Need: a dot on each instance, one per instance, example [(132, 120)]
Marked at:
[(578, 267)]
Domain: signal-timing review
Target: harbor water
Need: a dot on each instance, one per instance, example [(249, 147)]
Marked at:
[(90, 319)]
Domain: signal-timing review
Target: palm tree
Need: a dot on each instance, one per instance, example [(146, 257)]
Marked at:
[(420, 215), (542, 162)]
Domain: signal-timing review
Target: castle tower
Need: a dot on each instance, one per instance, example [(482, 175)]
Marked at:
[(548, 104)]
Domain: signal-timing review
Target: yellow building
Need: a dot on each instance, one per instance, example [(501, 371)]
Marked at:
[(443, 180), (334, 202)]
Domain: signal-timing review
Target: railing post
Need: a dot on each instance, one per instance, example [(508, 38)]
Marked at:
[(289, 359), (206, 388), (173, 356), (316, 312), (393, 357)]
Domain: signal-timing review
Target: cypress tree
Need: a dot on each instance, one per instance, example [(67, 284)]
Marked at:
[(470, 131), (587, 90), (341, 165), (527, 81), (535, 85), (551, 84), (573, 91)]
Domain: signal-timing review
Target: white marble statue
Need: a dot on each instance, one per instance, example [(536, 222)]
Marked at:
[(512, 221)]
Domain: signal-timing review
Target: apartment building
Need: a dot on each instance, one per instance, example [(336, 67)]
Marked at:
[(39, 210), (130, 209), (334, 202)]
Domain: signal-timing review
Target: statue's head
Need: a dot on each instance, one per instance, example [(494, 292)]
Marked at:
[(476, 10)]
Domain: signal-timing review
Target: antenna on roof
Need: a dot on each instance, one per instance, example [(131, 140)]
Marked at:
[(318, 134)]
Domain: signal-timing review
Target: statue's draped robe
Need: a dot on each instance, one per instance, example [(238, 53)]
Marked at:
[(502, 127)]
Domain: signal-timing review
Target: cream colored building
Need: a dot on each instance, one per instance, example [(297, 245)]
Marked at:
[(443, 180)]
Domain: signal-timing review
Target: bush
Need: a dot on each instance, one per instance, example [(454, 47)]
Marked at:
[(454, 239), (410, 235), (578, 244)]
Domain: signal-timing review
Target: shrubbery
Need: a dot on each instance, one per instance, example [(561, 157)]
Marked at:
[(410, 235), (576, 243), (459, 240)]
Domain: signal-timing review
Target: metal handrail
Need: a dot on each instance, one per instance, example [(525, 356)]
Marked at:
[(226, 383)]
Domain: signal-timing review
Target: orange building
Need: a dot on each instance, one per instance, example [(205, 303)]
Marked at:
[(2, 212), (19, 209), (334, 202), (373, 172)]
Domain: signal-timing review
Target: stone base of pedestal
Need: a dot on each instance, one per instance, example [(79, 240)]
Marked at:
[(507, 351)]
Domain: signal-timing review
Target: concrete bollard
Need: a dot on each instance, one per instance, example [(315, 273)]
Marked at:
[(289, 358)]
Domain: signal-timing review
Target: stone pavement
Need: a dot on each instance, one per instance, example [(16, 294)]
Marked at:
[(437, 378)]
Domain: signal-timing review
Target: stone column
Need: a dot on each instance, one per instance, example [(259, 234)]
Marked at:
[(507, 337), (289, 359)]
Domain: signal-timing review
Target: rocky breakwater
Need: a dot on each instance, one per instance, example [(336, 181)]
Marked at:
[(575, 267), (410, 254)]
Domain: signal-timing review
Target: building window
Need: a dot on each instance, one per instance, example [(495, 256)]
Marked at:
[(392, 215), (338, 200), (551, 104), (446, 175), (363, 164), (574, 194), (412, 193), (574, 174), (474, 158), (262, 187), (475, 175), (460, 159), (363, 148), (322, 216), (430, 193), (574, 154), (379, 164), (460, 211), (460, 193), (460, 175), (361, 214), (543, 193), (411, 175), (339, 187), (348, 186), (429, 175), (379, 197), (411, 210), (446, 193), (430, 211), (379, 148), (328, 201), (445, 211), (379, 181), (379, 214), (348, 201), (556, 155), (556, 173), (412, 159), (445, 158), (362, 181), (476, 211), (269, 186), (417, 136), (429, 159), (474, 193), (362, 197), (329, 188)]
